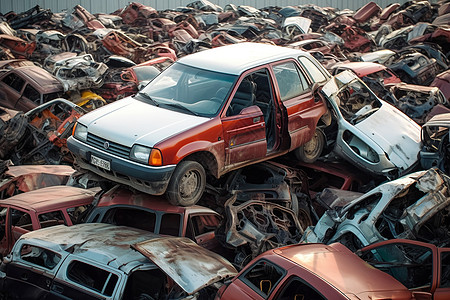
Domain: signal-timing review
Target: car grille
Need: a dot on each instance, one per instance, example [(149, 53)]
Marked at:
[(114, 148)]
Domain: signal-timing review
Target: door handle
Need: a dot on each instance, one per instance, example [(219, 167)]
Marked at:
[(256, 119), (24, 276)]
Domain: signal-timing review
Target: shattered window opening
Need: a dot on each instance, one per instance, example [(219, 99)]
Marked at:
[(445, 270), (144, 284), (14, 81), (263, 277), (296, 288), (51, 219), (412, 265), (170, 224), (92, 277), (40, 256)]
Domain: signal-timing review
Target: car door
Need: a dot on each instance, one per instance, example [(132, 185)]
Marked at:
[(443, 289), (243, 125), (201, 229), (11, 86), (302, 109), (413, 263)]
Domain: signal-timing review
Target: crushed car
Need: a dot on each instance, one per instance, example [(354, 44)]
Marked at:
[(103, 261), (21, 179), (415, 206), (435, 139), (233, 115), (361, 130)]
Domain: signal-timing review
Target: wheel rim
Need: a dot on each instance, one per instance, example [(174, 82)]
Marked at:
[(312, 147), (189, 184)]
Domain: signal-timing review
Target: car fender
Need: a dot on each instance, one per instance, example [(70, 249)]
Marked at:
[(215, 149)]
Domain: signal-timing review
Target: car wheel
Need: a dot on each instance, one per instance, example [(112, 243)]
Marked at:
[(312, 150), (187, 184)]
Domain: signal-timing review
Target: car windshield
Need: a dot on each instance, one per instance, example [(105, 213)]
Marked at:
[(189, 90)]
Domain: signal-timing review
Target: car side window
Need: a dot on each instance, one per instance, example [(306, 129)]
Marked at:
[(263, 277), (291, 81), (51, 219), (296, 288), (315, 73), (148, 284), (39, 256), (77, 213), (445, 270), (21, 219), (136, 218), (245, 96), (203, 224), (31, 93), (170, 224), (14, 81), (92, 277)]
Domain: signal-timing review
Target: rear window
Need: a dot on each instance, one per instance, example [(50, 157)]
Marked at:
[(94, 278), (136, 218)]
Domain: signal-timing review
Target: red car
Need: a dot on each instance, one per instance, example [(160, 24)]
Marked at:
[(369, 69), (312, 271), (40, 208)]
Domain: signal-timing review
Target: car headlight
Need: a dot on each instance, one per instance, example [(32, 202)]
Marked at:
[(80, 132), (146, 155)]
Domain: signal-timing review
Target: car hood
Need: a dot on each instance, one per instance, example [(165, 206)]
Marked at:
[(192, 267), (397, 135), (130, 121)]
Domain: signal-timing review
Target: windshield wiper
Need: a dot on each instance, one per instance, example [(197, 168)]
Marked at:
[(147, 97), (177, 105)]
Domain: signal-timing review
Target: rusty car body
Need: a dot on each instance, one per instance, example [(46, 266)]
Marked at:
[(103, 261), (312, 271), (417, 101), (442, 81), (18, 47), (231, 120), (415, 206), (121, 206), (435, 139), (362, 133), (22, 179), (369, 69), (419, 266), (24, 88), (79, 72), (45, 207)]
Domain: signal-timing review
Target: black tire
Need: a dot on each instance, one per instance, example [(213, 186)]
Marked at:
[(187, 184), (312, 150)]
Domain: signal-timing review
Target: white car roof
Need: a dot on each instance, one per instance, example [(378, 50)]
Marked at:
[(236, 58)]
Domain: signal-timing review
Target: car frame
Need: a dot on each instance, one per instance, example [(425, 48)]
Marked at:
[(224, 120)]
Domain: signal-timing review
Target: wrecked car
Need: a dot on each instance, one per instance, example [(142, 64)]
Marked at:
[(121, 206), (79, 73), (414, 68), (39, 136), (417, 101), (312, 271), (435, 139), (419, 266), (24, 88), (442, 81), (362, 129), (250, 109), (415, 206), (22, 179), (367, 69), (41, 208), (256, 226), (103, 261)]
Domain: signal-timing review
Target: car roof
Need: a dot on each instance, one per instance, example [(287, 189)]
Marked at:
[(124, 196), (361, 68), (50, 198), (41, 78), (342, 268), (104, 243), (236, 58)]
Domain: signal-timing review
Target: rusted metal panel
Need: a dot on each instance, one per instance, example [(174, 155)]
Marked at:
[(189, 265)]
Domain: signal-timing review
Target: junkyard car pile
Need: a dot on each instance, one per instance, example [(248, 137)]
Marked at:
[(209, 141)]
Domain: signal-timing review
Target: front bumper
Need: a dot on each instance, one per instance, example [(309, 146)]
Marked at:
[(148, 179)]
